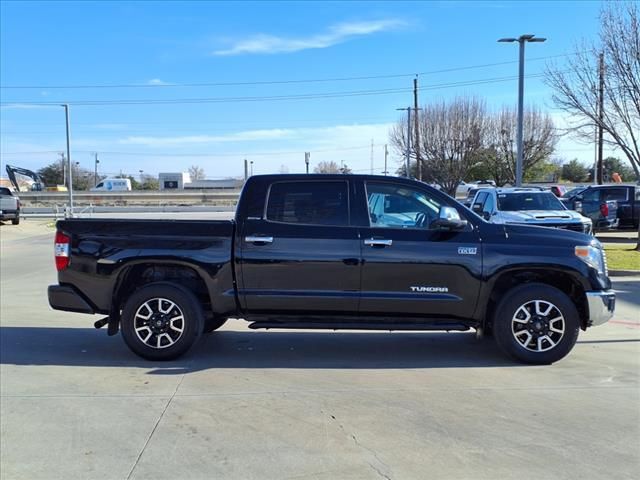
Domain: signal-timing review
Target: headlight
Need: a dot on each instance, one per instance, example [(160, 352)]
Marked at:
[(592, 256)]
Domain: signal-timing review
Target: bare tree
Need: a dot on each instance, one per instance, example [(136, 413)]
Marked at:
[(451, 136), (539, 141), (327, 167), (196, 172), (576, 84)]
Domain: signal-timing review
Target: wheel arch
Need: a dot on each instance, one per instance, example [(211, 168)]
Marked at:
[(566, 281)]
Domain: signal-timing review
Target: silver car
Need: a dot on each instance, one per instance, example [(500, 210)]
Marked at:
[(527, 206)]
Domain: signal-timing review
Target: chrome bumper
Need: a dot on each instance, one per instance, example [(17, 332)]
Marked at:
[(601, 306)]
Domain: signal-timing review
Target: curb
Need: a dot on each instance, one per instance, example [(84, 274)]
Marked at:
[(624, 273)]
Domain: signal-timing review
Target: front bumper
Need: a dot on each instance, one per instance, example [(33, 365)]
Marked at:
[(67, 298), (602, 304)]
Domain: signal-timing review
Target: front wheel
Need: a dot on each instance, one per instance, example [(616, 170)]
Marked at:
[(536, 323), (161, 321), (15, 221)]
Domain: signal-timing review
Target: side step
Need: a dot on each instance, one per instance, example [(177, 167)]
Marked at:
[(415, 326)]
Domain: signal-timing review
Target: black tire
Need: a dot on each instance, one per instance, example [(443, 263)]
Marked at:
[(170, 330), (15, 221), (520, 329), (213, 323)]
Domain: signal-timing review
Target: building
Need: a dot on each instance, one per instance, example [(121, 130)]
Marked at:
[(173, 181)]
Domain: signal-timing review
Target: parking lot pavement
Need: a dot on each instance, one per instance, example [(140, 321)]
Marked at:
[(76, 404)]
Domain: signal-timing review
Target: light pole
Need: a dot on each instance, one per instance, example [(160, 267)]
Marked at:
[(522, 39), (408, 166), (251, 163), (95, 170), (70, 185)]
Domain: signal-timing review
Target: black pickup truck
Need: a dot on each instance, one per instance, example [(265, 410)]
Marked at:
[(334, 252)]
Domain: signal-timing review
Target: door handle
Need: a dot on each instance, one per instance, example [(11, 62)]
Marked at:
[(378, 242), (256, 239)]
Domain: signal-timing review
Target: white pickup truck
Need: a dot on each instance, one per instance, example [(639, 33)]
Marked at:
[(9, 206)]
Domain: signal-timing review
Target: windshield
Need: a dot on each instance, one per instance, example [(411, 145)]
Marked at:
[(512, 202)]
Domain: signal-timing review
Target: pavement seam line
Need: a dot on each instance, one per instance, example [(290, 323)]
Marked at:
[(144, 447)]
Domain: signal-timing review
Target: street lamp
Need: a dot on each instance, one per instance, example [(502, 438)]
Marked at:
[(522, 39), (95, 170), (251, 168)]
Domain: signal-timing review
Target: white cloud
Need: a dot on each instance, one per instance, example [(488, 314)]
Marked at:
[(245, 136), (157, 81), (335, 34)]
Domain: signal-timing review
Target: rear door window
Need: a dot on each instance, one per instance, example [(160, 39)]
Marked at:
[(618, 194), (309, 203)]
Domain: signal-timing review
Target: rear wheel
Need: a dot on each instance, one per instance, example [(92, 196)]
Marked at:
[(161, 321), (536, 323)]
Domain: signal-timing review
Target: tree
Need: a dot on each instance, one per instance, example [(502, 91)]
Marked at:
[(149, 182), (451, 135), (613, 165), (53, 174), (574, 171), (196, 173), (576, 84), (538, 141), (327, 167)]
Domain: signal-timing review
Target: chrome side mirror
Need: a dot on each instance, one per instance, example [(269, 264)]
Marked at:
[(449, 219)]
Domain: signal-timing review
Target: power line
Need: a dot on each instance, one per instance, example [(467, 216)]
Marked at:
[(308, 96), (177, 154), (278, 82)]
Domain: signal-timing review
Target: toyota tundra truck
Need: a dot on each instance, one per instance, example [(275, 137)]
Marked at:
[(334, 252)]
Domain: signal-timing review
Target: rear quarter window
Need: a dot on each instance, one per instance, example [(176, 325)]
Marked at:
[(5, 191), (309, 203)]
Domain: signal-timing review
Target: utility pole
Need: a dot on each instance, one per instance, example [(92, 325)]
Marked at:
[(70, 186), (307, 156), (386, 154), (95, 170), (408, 154), (417, 127), (600, 116), (246, 170), (371, 170), (63, 163)]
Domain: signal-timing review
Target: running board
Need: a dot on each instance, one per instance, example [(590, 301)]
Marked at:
[(360, 326)]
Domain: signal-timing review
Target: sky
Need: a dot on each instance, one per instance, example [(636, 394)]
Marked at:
[(160, 86)]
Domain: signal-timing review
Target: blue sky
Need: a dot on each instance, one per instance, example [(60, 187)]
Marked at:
[(150, 50)]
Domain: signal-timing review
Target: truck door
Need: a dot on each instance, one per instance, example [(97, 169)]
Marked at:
[(409, 268), (302, 255)]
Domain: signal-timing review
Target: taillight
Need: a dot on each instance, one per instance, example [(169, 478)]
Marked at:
[(604, 210), (61, 249)]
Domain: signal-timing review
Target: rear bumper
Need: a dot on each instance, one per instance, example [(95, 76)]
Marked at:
[(9, 214), (602, 304), (606, 224), (67, 298)]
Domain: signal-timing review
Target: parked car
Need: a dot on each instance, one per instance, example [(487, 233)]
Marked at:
[(603, 204), (9, 206), (557, 190), (528, 206), (472, 193), (334, 252)]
